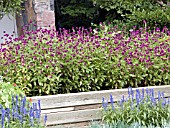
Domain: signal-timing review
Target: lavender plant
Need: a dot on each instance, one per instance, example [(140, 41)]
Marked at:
[(21, 114), (46, 61), (143, 108)]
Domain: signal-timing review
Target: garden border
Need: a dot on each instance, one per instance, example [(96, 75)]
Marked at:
[(78, 109)]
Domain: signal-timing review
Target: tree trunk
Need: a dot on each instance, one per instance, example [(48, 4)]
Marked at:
[(26, 15), (20, 24)]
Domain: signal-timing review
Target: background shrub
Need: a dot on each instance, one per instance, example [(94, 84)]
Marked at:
[(132, 13), (122, 12)]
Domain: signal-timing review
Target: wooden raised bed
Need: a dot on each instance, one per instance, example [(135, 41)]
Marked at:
[(78, 109)]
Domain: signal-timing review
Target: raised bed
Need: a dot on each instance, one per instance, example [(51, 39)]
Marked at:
[(78, 109)]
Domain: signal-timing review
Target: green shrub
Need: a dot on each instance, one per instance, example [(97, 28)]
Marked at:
[(143, 108), (6, 92), (132, 13), (8, 7)]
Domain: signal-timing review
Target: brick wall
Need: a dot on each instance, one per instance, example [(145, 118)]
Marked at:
[(44, 10)]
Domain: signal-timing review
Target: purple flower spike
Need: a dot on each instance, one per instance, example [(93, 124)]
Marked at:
[(129, 91), (45, 119), (3, 118), (159, 95), (112, 101), (104, 103)]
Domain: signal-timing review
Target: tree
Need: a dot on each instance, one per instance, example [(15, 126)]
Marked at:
[(22, 9), (133, 12), (10, 6), (25, 16), (76, 13)]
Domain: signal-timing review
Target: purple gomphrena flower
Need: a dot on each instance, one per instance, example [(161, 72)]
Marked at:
[(112, 101), (3, 118)]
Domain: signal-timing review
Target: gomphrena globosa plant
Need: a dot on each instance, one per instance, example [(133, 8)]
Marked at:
[(45, 61), (22, 114), (143, 107)]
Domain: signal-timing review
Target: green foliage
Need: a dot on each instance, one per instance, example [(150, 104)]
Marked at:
[(75, 13), (76, 8), (132, 13), (12, 6), (123, 12), (144, 110), (6, 92)]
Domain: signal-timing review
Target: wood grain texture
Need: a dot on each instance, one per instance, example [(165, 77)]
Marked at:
[(73, 116), (88, 98)]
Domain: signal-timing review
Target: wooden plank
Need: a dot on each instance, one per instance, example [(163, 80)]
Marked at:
[(86, 98), (57, 110), (73, 116), (65, 118), (83, 107)]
